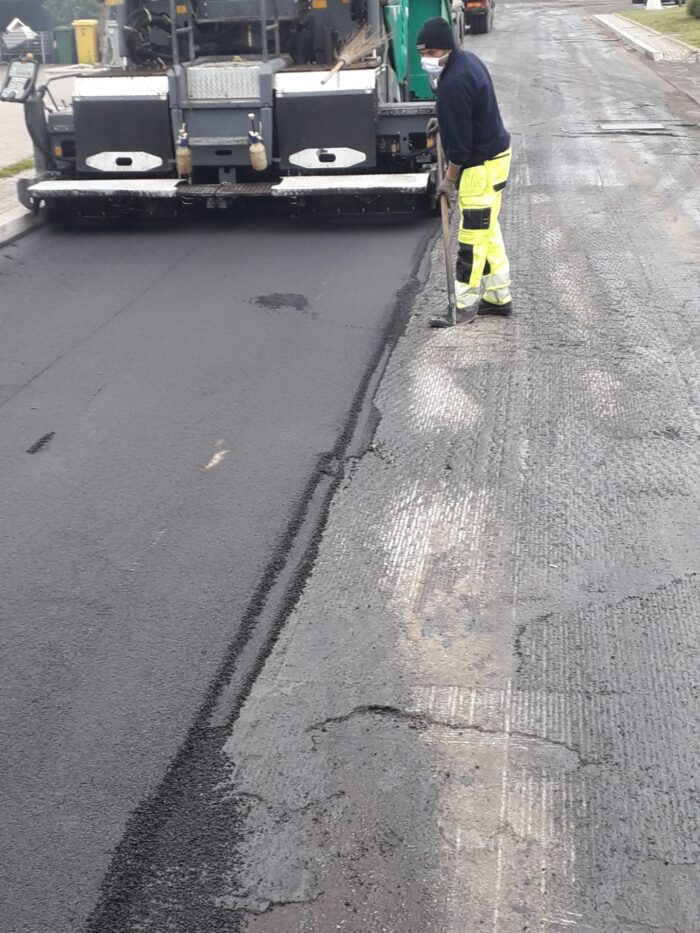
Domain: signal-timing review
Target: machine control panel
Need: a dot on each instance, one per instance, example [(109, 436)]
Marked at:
[(19, 81)]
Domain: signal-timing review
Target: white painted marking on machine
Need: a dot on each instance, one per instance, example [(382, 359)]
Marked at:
[(304, 82), (329, 159), (139, 86), (124, 161), (154, 187), (310, 184)]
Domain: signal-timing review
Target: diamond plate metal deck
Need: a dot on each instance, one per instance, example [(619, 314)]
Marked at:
[(223, 81)]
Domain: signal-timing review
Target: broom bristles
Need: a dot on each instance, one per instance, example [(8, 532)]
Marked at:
[(354, 49), (360, 43)]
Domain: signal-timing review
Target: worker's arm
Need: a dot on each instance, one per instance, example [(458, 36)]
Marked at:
[(454, 110)]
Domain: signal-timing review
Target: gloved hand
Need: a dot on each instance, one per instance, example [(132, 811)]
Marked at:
[(447, 187), (432, 127)]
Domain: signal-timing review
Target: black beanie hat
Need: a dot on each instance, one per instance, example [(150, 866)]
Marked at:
[(436, 33)]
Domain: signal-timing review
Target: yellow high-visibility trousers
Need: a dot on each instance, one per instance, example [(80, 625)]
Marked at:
[(482, 259)]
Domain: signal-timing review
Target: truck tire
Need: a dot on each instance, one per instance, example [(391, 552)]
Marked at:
[(479, 24)]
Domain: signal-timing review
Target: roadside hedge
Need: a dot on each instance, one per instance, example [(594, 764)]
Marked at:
[(693, 8)]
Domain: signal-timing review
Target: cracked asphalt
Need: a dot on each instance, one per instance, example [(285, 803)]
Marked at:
[(473, 705), (482, 713)]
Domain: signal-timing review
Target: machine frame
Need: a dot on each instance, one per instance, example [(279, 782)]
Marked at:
[(198, 86)]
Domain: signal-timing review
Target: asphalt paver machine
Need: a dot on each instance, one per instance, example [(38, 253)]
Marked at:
[(216, 101)]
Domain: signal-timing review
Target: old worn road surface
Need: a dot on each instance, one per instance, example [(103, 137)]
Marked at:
[(478, 710)]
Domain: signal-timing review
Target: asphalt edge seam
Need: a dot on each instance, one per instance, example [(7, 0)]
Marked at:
[(132, 856)]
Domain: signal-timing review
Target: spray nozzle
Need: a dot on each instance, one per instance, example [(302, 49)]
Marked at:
[(254, 133)]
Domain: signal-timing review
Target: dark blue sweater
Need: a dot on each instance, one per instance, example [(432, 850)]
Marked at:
[(471, 127)]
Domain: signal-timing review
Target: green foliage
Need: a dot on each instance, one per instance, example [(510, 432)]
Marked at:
[(9, 170), (692, 8), (671, 22), (64, 12)]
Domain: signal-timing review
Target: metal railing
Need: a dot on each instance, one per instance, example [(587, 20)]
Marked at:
[(266, 27), (42, 48)]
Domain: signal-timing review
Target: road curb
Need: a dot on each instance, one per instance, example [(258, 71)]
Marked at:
[(15, 226), (653, 44), (691, 91)]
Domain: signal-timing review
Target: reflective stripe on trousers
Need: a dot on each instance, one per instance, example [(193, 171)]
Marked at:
[(482, 259)]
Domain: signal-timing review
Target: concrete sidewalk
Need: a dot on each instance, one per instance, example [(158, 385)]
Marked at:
[(653, 44), (685, 77), (676, 62), (15, 146), (15, 220), (15, 143)]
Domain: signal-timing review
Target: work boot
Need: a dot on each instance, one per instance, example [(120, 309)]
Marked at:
[(462, 316), (490, 307)]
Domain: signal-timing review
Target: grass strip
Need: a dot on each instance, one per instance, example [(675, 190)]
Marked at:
[(674, 23), (22, 166)]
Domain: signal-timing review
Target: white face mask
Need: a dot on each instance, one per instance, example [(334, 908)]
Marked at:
[(431, 66)]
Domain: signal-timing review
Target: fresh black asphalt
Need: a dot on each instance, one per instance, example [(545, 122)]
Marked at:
[(167, 398)]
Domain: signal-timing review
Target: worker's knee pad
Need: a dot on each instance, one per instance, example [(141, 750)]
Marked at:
[(465, 262)]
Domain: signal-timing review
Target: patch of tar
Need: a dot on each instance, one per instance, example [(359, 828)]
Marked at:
[(278, 300)]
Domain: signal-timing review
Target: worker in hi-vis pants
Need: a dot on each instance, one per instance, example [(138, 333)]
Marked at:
[(477, 148)]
